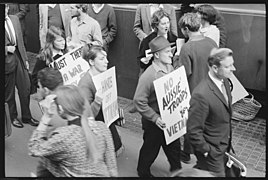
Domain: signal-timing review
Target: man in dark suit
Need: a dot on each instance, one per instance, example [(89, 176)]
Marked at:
[(142, 24), (21, 11), (16, 71), (209, 122)]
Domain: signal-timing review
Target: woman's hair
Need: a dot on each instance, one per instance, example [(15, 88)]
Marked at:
[(72, 102), (191, 21), (208, 13), (46, 53), (157, 16), (90, 51)]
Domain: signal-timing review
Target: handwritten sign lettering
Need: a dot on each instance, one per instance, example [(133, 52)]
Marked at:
[(106, 82), (72, 66), (173, 97)]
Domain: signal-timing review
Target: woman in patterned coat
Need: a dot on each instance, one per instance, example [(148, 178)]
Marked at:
[(83, 148)]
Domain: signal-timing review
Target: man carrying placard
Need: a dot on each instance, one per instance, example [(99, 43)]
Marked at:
[(146, 103)]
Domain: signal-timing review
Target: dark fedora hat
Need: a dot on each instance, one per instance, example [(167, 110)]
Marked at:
[(159, 43)]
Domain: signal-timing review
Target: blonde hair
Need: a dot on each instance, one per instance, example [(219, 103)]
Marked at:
[(70, 98)]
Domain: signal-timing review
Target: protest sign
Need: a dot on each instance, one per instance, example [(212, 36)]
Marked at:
[(238, 91), (179, 43), (173, 97), (71, 66), (106, 84)]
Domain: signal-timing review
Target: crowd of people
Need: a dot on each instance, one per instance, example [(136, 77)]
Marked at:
[(71, 139)]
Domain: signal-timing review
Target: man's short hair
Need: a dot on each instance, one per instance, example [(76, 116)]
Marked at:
[(217, 55), (191, 21), (50, 78), (83, 7)]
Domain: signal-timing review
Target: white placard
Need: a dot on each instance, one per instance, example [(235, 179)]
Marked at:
[(179, 43), (238, 91), (106, 83), (72, 66), (147, 52), (173, 97)]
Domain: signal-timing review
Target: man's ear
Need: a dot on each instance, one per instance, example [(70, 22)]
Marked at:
[(91, 62), (47, 91), (61, 111), (156, 54), (215, 69)]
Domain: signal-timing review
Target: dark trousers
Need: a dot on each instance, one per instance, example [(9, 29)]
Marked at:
[(187, 147), (20, 79), (214, 162), (153, 139), (116, 137)]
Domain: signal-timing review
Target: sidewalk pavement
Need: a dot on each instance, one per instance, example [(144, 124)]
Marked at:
[(19, 164)]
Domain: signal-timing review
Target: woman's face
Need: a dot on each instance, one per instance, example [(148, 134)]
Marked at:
[(163, 26), (101, 62), (59, 43)]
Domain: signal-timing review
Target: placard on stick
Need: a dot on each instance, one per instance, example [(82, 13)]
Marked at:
[(72, 66), (173, 97), (106, 83)]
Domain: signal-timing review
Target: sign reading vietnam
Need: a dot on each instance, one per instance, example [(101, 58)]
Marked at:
[(72, 66), (173, 97), (106, 84)]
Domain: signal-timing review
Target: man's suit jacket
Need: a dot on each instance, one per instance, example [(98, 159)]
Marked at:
[(43, 21), (209, 117), (21, 11), (142, 24), (10, 59)]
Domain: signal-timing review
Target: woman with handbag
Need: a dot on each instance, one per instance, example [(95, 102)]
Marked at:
[(97, 58), (83, 148), (54, 48)]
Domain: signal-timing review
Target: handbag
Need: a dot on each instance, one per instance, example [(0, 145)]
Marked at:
[(235, 167), (246, 109)]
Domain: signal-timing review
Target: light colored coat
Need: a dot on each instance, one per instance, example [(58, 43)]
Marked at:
[(43, 21)]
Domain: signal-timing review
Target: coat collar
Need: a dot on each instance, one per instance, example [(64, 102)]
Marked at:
[(219, 94)]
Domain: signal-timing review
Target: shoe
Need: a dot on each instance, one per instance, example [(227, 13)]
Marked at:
[(16, 123), (32, 122), (145, 174), (185, 157)]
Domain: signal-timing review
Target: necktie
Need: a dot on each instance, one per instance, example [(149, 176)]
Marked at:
[(12, 39), (224, 92)]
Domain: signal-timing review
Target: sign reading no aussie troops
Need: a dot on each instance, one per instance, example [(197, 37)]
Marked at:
[(71, 66), (106, 84), (173, 97)]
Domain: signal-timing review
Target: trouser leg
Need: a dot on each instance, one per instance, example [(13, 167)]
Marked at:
[(150, 148), (23, 86), (172, 152), (10, 94)]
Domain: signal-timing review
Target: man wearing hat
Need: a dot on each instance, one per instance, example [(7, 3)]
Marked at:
[(209, 121), (146, 103)]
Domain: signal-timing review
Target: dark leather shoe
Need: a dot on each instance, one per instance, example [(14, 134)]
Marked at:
[(16, 123), (32, 122), (185, 157)]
